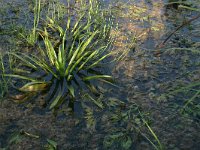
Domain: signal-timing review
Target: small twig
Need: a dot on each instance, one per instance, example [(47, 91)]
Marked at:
[(29, 134), (182, 25)]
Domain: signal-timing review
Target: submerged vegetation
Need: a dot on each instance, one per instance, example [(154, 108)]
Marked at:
[(32, 37), (81, 69), (190, 106)]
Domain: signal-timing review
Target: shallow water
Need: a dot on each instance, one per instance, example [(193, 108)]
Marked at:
[(144, 74)]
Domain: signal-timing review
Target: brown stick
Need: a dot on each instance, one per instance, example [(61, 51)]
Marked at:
[(182, 25)]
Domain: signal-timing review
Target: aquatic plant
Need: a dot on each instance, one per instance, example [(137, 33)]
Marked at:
[(68, 60), (4, 81), (128, 123), (188, 92), (31, 38), (2, 78)]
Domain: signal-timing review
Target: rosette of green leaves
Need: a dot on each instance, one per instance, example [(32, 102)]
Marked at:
[(69, 59)]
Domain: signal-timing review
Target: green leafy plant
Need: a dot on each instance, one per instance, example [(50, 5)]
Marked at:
[(68, 61)]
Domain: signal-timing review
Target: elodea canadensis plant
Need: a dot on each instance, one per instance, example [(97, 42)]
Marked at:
[(68, 61)]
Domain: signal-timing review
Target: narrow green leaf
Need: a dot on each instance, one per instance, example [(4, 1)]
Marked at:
[(71, 90), (98, 61), (77, 22), (97, 77), (97, 102), (50, 50), (72, 60), (20, 77), (57, 99), (109, 81), (68, 22), (189, 8), (27, 62), (86, 43), (42, 64), (89, 58), (71, 49), (78, 61)]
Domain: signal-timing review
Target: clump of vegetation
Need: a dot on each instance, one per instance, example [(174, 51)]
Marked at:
[(130, 124), (68, 57), (32, 37)]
